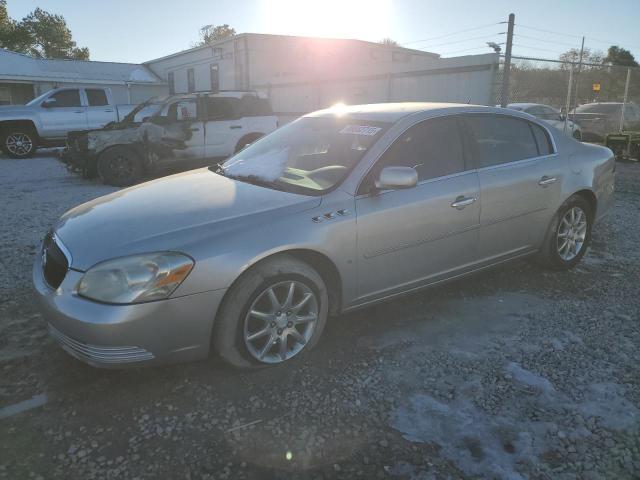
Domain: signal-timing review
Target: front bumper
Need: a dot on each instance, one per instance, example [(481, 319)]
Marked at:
[(166, 331)]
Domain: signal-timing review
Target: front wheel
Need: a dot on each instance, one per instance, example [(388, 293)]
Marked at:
[(274, 312), (19, 143), (569, 234), (120, 167)]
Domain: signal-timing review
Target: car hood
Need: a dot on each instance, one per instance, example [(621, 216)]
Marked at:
[(171, 213), (14, 109)]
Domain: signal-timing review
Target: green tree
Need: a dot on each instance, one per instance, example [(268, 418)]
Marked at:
[(39, 34), (588, 56), (213, 33), (620, 56), (12, 36)]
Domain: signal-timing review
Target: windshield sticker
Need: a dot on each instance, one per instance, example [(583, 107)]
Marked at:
[(360, 130)]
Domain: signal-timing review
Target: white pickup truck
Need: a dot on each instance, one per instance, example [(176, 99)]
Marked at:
[(184, 131), (46, 120)]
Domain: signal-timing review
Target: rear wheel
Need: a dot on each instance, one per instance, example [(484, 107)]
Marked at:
[(569, 234), (247, 140), (577, 134), (274, 312), (19, 142), (120, 167)]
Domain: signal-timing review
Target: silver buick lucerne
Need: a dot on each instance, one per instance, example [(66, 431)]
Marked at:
[(334, 211)]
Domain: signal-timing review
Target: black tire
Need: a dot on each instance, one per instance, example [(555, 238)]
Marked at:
[(577, 134), (247, 140), (228, 337), (19, 142), (549, 255), (120, 166)]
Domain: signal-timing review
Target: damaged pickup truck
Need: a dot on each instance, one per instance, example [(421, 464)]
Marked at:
[(186, 131)]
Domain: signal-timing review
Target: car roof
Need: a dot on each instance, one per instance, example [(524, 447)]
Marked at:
[(524, 105), (392, 112)]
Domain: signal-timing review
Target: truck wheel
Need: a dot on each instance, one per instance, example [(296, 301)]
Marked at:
[(120, 167), (577, 134), (247, 140), (275, 311), (19, 142), (568, 236)]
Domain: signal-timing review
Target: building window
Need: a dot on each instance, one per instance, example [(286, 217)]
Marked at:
[(191, 81), (172, 83), (218, 52), (215, 77)]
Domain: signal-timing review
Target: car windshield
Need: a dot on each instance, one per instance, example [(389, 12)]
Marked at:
[(309, 156), (38, 99), (599, 108)]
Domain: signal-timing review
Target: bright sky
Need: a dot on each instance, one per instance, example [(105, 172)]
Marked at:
[(136, 31)]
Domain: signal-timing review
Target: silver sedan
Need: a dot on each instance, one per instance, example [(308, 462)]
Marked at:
[(337, 210)]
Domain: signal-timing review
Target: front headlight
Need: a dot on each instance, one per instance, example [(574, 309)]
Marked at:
[(135, 279)]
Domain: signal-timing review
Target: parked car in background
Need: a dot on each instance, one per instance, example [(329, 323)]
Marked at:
[(552, 116), (186, 131), (337, 210), (46, 120), (601, 118)]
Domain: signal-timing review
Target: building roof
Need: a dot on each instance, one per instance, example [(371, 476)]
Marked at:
[(219, 42), (16, 66)]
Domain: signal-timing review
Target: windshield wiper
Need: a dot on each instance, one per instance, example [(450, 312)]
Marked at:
[(255, 180)]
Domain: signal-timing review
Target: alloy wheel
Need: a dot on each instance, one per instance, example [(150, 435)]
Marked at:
[(280, 321), (572, 233), (121, 167), (19, 144)]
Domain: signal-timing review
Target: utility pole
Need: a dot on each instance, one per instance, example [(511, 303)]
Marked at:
[(575, 98), (507, 63), (624, 100)]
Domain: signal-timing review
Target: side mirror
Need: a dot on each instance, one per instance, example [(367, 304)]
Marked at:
[(396, 178), (49, 103)]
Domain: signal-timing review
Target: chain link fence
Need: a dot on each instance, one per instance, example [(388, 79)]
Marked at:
[(599, 99)]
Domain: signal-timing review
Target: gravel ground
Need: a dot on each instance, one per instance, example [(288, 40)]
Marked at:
[(515, 373)]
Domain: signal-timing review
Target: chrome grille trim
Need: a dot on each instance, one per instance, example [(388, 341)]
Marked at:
[(99, 354)]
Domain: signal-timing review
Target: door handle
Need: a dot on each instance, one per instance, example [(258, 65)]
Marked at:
[(234, 127), (545, 181), (462, 201)]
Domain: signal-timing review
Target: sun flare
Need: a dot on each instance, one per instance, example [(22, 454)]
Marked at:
[(365, 20)]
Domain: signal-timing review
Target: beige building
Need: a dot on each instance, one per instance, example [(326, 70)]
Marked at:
[(301, 74)]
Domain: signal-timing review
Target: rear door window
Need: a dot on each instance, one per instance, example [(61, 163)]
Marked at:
[(542, 140), (222, 108), (500, 139), (96, 97)]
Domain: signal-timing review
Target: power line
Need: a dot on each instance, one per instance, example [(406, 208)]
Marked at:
[(462, 41), (548, 31), (610, 42), (452, 33), (537, 49), (469, 49), (545, 41)]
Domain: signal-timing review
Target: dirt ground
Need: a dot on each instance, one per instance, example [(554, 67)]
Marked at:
[(515, 373)]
